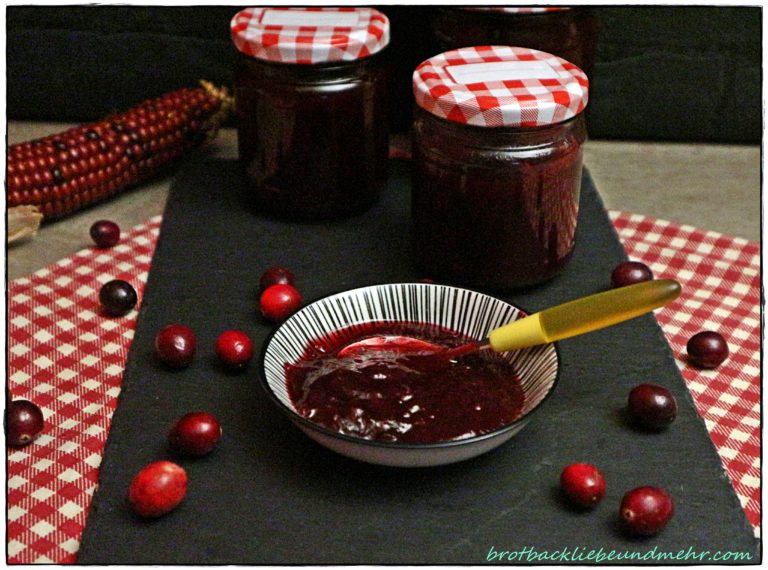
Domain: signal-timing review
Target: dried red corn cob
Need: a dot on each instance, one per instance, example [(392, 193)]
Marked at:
[(64, 172)]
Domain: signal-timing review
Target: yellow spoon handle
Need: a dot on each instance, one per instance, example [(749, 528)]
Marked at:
[(585, 315)]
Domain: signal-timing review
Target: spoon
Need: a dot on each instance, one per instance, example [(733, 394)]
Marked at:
[(573, 318)]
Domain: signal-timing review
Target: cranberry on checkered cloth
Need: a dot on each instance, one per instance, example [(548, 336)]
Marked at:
[(68, 358), (310, 35), (720, 276), (500, 86)]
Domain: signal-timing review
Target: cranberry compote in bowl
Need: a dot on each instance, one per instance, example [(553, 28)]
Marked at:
[(365, 374)]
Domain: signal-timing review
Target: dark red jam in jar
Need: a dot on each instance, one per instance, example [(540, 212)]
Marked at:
[(310, 88), (570, 33), (497, 161), (403, 396)]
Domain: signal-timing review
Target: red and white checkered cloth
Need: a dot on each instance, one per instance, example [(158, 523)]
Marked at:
[(68, 358), (500, 86), (309, 35), (720, 276)]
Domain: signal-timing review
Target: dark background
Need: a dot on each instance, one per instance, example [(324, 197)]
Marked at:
[(661, 73)]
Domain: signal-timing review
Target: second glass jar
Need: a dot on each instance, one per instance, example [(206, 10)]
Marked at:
[(496, 178), (311, 109)]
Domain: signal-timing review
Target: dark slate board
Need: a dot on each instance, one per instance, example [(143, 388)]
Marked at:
[(269, 495)]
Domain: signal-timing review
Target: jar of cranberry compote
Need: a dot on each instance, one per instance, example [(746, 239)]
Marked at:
[(568, 32), (310, 90), (497, 160)]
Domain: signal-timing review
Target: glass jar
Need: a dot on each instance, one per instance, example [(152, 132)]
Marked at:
[(497, 162), (310, 96), (570, 33)]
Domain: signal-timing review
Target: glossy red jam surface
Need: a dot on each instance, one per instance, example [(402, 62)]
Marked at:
[(403, 396), (312, 139), (495, 207)]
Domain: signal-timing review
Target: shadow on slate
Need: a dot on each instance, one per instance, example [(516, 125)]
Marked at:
[(268, 495)]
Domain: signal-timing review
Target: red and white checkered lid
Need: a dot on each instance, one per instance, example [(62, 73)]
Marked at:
[(310, 35), (500, 86)]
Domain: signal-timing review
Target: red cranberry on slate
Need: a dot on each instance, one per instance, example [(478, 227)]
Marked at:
[(278, 302), (583, 484), (117, 297), (234, 349), (651, 406), (629, 273), (195, 434), (175, 346), (707, 349), (276, 276), (23, 422), (105, 233), (157, 489), (646, 510)]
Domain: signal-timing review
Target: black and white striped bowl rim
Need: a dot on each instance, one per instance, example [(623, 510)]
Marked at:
[(463, 310)]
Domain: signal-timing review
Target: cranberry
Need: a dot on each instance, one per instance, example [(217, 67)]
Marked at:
[(117, 297), (157, 489), (646, 510), (651, 406), (234, 349), (195, 434), (23, 422), (175, 345), (707, 349), (276, 276), (629, 273), (583, 484), (278, 302), (105, 233)]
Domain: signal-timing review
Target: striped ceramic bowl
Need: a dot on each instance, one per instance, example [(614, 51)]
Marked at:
[(469, 312)]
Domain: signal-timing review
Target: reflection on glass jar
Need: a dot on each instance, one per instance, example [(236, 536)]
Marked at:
[(496, 177), (310, 92)]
